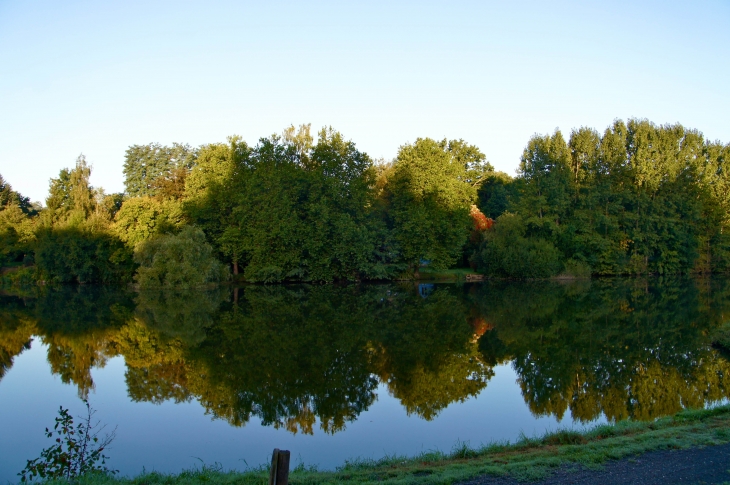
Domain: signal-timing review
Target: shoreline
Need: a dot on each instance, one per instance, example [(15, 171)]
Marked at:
[(528, 459)]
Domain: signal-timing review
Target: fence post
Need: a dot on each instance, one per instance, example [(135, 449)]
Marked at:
[(279, 474)]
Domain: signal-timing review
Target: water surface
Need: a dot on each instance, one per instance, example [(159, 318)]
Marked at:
[(334, 373)]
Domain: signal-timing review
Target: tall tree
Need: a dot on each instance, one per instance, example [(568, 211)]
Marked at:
[(10, 197), (431, 192), (145, 164), (71, 197), (545, 167)]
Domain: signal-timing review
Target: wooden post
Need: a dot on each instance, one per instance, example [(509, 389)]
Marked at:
[(279, 474)]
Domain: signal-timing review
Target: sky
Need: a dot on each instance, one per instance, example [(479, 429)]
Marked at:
[(96, 77)]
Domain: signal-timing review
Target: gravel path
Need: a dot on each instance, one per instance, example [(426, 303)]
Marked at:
[(710, 464)]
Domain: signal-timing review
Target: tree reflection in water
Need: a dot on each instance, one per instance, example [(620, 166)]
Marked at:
[(295, 356)]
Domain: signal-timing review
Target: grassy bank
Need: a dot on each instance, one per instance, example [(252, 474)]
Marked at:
[(456, 274), (528, 459)]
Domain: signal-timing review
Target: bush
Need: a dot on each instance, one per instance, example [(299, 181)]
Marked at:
[(178, 261), (73, 255), (20, 278), (508, 253), (576, 269)]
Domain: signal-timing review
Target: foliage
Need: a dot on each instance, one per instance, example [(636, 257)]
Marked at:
[(576, 269), (636, 199), (78, 255), (153, 168), (211, 193), (142, 218), (71, 198), (77, 452), (288, 209), (183, 260), (431, 191), (640, 198), (17, 234), (721, 337), (497, 194), (18, 278), (506, 252), (9, 197)]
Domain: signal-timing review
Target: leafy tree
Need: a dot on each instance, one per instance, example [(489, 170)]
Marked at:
[(211, 193), (496, 194), (17, 235), (431, 191), (288, 209), (142, 218), (149, 169), (339, 242), (9, 197), (545, 169), (72, 200)]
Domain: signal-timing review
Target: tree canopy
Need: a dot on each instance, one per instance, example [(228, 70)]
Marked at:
[(638, 198)]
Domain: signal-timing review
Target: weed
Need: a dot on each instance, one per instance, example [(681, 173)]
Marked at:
[(462, 450), (77, 449), (564, 437)]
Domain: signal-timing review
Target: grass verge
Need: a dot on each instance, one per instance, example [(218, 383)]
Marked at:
[(430, 274), (527, 459)]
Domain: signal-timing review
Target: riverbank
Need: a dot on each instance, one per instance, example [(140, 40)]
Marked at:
[(527, 460)]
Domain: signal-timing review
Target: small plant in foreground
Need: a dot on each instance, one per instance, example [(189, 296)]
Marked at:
[(77, 449)]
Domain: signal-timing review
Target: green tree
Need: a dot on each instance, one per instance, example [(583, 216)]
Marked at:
[(212, 190), (339, 242), (71, 199), (431, 191), (141, 218), (497, 194), (288, 209), (9, 197), (17, 225), (545, 168), (153, 167)]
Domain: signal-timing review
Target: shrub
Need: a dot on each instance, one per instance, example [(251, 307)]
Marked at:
[(180, 261), (77, 449), (73, 255), (576, 269), (507, 252), (20, 278)]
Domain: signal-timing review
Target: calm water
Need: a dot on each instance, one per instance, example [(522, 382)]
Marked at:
[(332, 373)]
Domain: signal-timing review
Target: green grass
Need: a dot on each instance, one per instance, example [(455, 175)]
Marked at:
[(445, 274), (530, 458)]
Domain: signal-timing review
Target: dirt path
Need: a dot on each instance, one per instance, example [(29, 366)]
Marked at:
[(710, 464)]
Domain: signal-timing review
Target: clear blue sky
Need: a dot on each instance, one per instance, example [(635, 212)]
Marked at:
[(96, 77)]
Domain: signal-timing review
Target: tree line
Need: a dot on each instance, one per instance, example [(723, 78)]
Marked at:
[(637, 199)]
